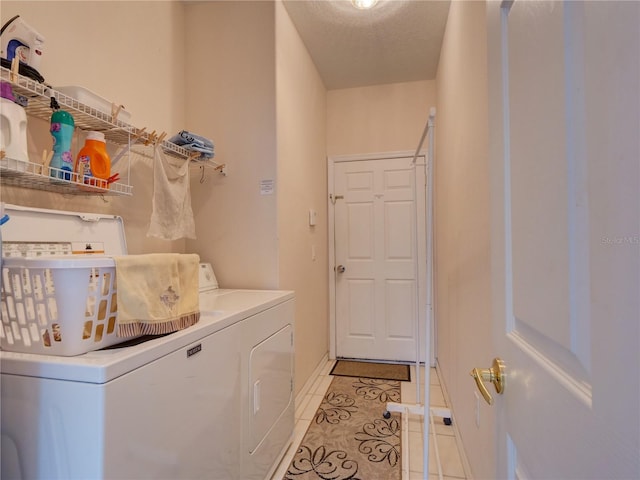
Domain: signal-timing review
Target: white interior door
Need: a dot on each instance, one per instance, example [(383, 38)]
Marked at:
[(564, 91), (378, 278)]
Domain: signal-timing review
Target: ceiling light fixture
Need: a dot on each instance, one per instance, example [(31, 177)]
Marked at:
[(364, 4)]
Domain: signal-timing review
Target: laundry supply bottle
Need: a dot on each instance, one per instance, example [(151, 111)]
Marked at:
[(62, 126), (13, 134), (93, 165)]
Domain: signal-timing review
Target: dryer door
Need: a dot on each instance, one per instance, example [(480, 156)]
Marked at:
[(271, 374)]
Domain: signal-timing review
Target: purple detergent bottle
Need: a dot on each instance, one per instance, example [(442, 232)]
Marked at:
[(62, 126)]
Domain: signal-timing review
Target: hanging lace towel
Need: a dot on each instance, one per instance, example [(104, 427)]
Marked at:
[(171, 216)]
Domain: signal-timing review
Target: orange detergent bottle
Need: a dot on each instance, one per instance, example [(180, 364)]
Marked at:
[(93, 164)]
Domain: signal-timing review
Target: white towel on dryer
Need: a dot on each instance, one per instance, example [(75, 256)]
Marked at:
[(157, 293)]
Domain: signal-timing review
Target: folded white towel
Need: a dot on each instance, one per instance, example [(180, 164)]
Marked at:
[(157, 293)]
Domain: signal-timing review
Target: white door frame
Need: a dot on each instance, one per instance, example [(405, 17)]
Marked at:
[(331, 161)]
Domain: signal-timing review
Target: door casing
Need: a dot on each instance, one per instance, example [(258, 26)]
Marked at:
[(421, 231)]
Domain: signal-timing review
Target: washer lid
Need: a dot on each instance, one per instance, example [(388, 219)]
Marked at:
[(61, 232)]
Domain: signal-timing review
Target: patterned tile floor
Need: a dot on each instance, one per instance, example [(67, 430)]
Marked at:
[(451, 461)]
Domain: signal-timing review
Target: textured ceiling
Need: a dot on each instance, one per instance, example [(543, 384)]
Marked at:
[(396, 41)]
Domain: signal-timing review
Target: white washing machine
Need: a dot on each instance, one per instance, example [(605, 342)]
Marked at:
[(213, 401)]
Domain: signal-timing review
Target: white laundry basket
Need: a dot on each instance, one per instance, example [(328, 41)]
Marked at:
[(58, 306)]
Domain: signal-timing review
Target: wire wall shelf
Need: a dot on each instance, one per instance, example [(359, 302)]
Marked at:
[(31, 175), (40, 176)]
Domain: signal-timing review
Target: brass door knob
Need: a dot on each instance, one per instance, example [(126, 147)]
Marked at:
[(495, 375)]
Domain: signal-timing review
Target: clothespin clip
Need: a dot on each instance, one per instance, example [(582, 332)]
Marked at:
[(137, 133), (193, 155), (15, 67), (113, 178), (150, 138), (161, 137), (2, 154), (46, 160), (115, 110), (81, 172)]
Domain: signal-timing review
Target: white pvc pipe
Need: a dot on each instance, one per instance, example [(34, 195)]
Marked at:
[(428, 130), (429, 317), (417, 274), (425, 409)]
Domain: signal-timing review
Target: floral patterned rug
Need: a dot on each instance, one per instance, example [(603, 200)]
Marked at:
[(349, 439)]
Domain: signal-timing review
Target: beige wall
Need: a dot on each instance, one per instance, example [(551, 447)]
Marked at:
[(462, 261), (302, 185), (380, 118), (128, 53), (261, 99), (230, 50)]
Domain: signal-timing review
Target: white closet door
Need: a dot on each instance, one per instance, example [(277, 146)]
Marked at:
[(375, 257)]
